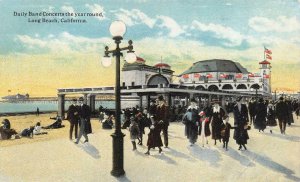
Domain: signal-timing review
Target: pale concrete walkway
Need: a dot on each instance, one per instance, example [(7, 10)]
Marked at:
[(270, 157)]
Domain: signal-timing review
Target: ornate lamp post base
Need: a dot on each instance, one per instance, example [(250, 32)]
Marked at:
[(118, 154)]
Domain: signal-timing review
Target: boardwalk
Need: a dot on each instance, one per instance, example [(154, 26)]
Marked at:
[(270, 157)]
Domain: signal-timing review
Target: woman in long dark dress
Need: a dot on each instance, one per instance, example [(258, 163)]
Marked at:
[(154, 139), (271, 121), (241, 120), (191, 121), (218, 113), (260, 117)]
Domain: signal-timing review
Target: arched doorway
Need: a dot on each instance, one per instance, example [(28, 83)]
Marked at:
[(157, 79)]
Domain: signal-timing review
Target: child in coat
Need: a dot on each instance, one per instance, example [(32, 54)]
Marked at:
[(134, 131), (225, 132), (204, 130)]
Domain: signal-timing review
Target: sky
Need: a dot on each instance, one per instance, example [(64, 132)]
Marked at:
[(38, 58)]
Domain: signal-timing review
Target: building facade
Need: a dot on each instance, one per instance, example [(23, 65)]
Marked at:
[(227, 75), (139, 73)]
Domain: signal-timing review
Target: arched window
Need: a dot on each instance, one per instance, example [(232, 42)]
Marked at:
[(200, 87), (241, 86), (227, 87), (213, 88)]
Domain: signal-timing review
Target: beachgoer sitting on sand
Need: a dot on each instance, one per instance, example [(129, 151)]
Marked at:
[(5, 131), (6, 124), (38, 129), (56, 124), (28, 132)]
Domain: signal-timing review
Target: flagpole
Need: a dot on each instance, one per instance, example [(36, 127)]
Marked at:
[(264, 53)]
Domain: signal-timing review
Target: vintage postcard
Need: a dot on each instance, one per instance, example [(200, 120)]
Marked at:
[(149, 90)]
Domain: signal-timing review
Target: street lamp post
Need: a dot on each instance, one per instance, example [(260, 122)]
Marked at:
[(118, 29)]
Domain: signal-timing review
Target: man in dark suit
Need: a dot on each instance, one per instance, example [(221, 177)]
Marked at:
[(162, 112), (282, 114), (84, 117), (73, 117)]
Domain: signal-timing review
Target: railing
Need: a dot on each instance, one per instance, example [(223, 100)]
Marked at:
[(174, 86)]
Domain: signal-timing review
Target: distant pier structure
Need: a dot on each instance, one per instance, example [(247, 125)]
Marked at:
[(204, 80)]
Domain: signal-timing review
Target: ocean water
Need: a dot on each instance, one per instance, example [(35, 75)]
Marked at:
[(17, 107)]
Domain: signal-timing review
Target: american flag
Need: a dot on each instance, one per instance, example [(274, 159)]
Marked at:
[(268, 51)]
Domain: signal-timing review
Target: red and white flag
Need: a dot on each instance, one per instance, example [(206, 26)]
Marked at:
[(268, 57), (268, 51), (251, 75), (196, 75), (209, 75), (223, 75), (239, 75), (185, 76)]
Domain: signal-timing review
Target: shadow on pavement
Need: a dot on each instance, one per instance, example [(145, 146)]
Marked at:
[(237, 156), (163, 157), (175, 153), (267, 162), (284, 137), (206, 154), (123, 179), (90, 149)]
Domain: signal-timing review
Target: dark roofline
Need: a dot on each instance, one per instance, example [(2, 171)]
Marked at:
[(237, 64)]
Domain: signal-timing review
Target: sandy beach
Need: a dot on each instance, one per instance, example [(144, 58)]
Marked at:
[(25, 121)]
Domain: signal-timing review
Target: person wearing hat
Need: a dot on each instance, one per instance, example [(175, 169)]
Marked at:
[(152, 107), (5, 131), (281, 111), (154, 139), (218, 114), (271, 120), (241, 120), (252, 109), (84, 116), (290, 111), (134, 131), (191, 121), (204, 130), (161, 115), (261, 115), (73, 118)]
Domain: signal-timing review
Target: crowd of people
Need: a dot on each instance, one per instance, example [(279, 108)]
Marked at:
[(263, 113), (209, 120)]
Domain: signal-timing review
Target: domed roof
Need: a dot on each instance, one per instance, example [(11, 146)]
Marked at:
[(216, 65), (264, 62), (162, 65), (140, 60)]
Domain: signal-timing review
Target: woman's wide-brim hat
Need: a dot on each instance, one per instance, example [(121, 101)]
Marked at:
[(160, 98), (193, 100)]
